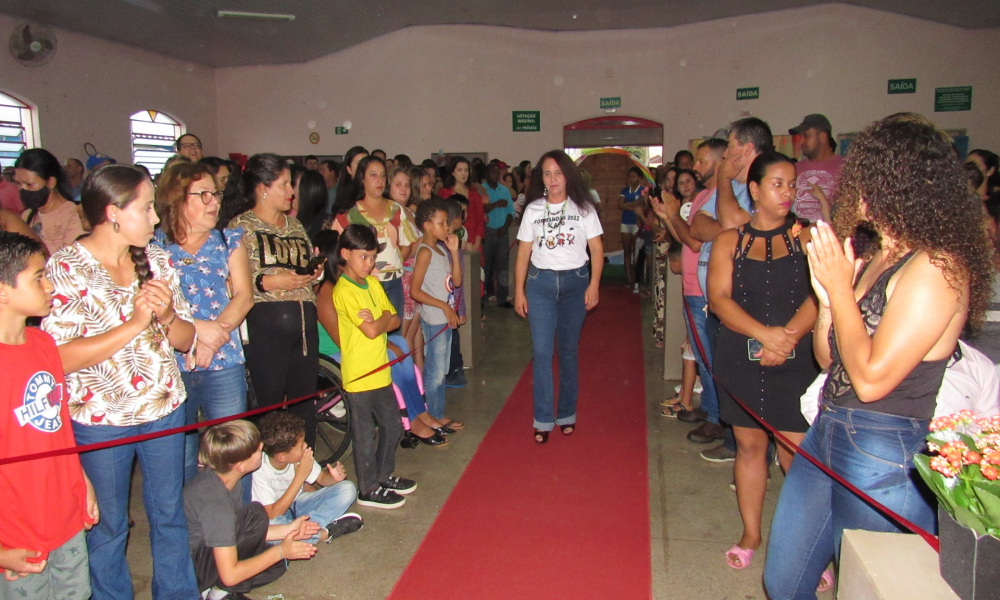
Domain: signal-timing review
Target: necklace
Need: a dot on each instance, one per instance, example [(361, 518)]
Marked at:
[(552, 229)]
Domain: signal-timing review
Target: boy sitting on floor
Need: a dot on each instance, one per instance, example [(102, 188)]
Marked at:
[(285, 471), (48, 502), (228, 540)]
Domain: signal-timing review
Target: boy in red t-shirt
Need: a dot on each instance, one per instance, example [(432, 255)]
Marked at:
[(48, 502)]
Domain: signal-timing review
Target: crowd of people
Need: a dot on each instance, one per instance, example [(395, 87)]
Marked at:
[(156, 302), (212, 288)]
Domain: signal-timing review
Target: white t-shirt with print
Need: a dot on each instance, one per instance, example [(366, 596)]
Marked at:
[(558, 233), (269, 483)]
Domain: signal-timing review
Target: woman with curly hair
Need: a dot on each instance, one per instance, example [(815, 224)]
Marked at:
[(928, 263)]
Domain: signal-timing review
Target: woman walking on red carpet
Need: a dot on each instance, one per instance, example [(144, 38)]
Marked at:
[(554, 288)]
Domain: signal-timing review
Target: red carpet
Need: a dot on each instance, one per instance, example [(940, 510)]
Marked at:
[(569, 519)]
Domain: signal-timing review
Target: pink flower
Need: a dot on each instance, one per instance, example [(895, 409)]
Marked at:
[(971, 458), (989, 472), (942, 466)]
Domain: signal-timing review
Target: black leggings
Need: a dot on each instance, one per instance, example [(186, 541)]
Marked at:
[(278, 368)]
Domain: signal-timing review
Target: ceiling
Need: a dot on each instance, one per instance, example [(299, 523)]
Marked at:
[(189, 29)]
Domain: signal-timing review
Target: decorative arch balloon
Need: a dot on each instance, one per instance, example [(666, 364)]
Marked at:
[(645, 172)]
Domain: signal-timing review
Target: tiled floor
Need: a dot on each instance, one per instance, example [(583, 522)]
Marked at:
[(693, 519)]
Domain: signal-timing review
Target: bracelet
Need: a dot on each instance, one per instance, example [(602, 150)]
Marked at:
[(259, 282)]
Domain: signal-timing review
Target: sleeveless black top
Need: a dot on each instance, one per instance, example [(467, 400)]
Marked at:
[(916, 395)]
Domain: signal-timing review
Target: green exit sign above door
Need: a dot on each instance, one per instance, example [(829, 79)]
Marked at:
[(902, 86), (611, 103), (340, 131), (748, 93)]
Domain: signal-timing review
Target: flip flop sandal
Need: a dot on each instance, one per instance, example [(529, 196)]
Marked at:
[(739, 558), (671, 411), (671, 401), (453, 424), (826, 581)]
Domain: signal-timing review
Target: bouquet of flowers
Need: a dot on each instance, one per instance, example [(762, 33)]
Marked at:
[(963, 469)]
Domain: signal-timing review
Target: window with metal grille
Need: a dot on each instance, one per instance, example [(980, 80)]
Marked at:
[(17, 130), (153, 136)]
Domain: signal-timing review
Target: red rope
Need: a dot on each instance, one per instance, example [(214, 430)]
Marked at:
[(928, 537), (185, 428)]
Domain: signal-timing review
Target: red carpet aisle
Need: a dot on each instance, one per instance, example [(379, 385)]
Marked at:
[(569, 519)]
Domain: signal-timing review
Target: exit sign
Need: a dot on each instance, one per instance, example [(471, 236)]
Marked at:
[(340, 131), (902, 86), (611, 102), (748, 93)]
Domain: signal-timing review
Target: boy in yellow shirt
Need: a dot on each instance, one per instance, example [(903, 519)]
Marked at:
[(364, 315)]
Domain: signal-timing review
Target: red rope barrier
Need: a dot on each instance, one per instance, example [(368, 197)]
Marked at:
[(185, 428), (931, 539)]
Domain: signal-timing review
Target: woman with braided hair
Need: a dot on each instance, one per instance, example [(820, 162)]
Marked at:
[(118, 314)]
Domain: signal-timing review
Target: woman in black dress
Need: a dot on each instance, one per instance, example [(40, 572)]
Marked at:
[(758, 286)]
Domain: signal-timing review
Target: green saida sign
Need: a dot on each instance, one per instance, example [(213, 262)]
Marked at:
[(527, 120), (752, 93), (902, 86), (615, 102)]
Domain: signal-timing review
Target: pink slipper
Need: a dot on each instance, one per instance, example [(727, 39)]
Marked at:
[(825, 582), (739, 558)]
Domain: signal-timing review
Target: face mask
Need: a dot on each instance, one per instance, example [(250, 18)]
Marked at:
[(36, 199)]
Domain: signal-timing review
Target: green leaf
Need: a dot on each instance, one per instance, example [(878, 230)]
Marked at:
[(960, 498), (971, 520), (971, 443), (935, 481), (990, 503)]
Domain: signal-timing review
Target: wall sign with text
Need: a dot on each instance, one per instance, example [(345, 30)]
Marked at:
[(902, 86), (607, 103), (527, 120), (951, 99), (748, 93)]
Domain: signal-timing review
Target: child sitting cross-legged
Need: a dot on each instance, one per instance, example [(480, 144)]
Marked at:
[(364, 315), (290, 483), (228, 539)]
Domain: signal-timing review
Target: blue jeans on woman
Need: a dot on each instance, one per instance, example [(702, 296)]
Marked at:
[(110, 471), (404, 375), (556, 311), (219, 394), (394, 291), (872, 450), (437, 358)]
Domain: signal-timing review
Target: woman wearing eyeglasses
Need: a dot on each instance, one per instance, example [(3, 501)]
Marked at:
[(214, 272)]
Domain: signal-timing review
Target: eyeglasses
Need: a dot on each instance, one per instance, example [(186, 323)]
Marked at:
[(207, 196), (192, 146)]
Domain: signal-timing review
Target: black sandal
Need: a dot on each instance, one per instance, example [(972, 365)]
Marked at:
[(541, 436), (568, 429)]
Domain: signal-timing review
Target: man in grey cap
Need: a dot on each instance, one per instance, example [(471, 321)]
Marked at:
[(819, 169)]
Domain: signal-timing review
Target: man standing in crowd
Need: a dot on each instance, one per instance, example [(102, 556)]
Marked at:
[(189, 145), (819, 171), (312, 163), (328, 169), (74, 173), (496, 246), (727, 208)]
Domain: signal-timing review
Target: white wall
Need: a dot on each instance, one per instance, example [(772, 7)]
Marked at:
[(90, 87), (423, 89)]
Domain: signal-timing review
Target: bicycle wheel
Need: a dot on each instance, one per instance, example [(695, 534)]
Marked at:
[(333, 428)]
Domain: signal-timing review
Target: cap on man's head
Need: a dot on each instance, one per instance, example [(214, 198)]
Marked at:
[(815, 121)]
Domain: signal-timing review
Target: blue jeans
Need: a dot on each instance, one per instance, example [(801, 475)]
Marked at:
[(706, 326), (556, 311), (872, 450), (323, 506), (394, 291), (404, 375), (437, 358), (110, 470), (219, 394)]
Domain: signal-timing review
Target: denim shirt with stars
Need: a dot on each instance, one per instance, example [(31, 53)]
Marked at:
[(203, 281)]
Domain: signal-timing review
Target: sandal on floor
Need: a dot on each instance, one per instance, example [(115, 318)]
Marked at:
[(671, 401), (739, 558), (672, 410), (453, 424), (568, 429), (826, 581), (541, 436)]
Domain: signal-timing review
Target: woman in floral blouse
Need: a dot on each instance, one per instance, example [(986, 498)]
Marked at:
[(118, 314), (187, 201)]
